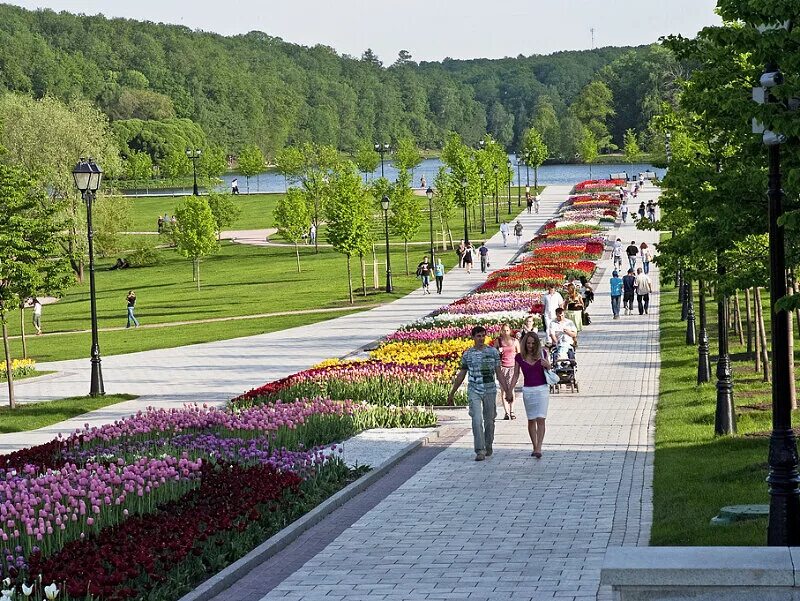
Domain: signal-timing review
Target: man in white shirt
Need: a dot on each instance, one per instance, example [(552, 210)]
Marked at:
[(504, 231), (643, 287), (616, 253), (564, 333), (552, 302)]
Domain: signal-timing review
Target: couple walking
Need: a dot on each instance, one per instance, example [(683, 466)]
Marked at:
[(624, 288), (424, 272), (484, 367)]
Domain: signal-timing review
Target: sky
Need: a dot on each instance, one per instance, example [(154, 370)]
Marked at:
[(428, 29)]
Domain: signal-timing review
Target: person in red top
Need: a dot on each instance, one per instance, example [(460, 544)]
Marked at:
[(508, 347), (532, 361)]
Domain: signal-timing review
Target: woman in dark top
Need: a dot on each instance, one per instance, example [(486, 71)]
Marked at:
[(131, 306), (532, 362), (424, 271), (468, 257)]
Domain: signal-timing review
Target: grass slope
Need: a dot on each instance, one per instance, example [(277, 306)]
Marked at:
[(31, 416)]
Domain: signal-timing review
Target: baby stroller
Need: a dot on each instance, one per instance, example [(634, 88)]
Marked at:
[(564, 366)]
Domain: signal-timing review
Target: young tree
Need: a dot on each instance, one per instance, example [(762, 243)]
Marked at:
[(224, 210), (535, 151), (292, 218), (138, 167), (29, 250), (632, 151), (195, 232), (593, 107), (349, 216), (407, 155), (366, 159), (587, 148), (444, 201), (213, 162), (251, 162), (111, 215), (406, 216), (176, 164)]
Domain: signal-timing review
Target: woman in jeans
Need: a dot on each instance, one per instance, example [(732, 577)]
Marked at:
[(532, 361), (646, 256), (508, 347), (131, 306)]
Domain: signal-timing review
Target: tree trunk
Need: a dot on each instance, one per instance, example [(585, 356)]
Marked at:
[(297, 254), (763, 331), (9, 372), (247, 179), (749, 315), (349, 280), (363, 274), (796, 290), (197, 271), (738, 317), (792, 383), (22, 330), (405, 251), (375, 283), (756, 334)]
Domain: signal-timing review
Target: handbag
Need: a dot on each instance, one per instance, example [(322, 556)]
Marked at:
[(551, 377)]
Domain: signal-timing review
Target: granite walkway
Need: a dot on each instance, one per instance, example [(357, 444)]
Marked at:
[(511, 527), (214, 372)]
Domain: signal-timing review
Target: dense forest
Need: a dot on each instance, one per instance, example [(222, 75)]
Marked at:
[(257, 89)]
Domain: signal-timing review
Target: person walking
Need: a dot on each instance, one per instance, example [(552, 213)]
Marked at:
[(531, 361), (651, 210), (235, 186), (37, 315), (508, 347), (482, 364), (632, 251), (642, 210), (528, 326), (483, 251), (536, 203), (424, 271), (504, 232), (518, 232), (529, 201), (643, 287), (646, 256), (438, 271), (624, 209), (312, 234), (552, 301), (423, 182), (628, 290), (131, 298), (616, 293), (460, 253), (616, 254), (468, 250)]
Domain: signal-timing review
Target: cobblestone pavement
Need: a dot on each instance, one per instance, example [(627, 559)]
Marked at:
[(513, 527)]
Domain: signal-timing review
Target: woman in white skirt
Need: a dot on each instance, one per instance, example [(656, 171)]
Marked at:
[(532, 361)]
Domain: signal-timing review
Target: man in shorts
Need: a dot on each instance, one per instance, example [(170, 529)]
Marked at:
[(482, 364)]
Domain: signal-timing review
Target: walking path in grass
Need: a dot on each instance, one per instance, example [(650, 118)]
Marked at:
[(511, 527), (214, 372)]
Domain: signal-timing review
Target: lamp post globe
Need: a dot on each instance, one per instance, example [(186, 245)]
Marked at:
[(385, 207), (87, 176)]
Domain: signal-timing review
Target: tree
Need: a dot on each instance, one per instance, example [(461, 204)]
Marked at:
[(224, 210), (251, 162), (632, 151), (30, 259), (403, 58), (407, 156), (213, 162), (175, 165), (349, 216), (535, 151), (593, 107), (111, 215), (195, 232), (293, 219), (588, 148), (138, 166), (366, 159), (406, 218), (371, 58)]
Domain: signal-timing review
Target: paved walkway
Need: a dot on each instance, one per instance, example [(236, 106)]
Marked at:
[(214, 372), (511, 527)]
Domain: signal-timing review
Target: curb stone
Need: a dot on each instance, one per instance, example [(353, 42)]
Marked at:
[(276, 543)]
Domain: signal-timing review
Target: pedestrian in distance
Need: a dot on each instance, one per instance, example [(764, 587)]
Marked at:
[(529, 201), (531, 361), (646, 256), (518, 232), (642, 210), (312, 234), (482, 364), (131, 298), (424, 271), (651, 210), (643, 287), (616, 293), (536, 203), (438, 271), (504, 232), (235, 186), (37, 315), (462, 248), (621, 194), (527, 326), (160, 224), (552, 301), (623, 210), (423, 182), (483, 251), (616, 254), (632, 251), (628, 290), (508, 347), (468, 250)]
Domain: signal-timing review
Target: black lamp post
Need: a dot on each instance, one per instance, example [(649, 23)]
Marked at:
[(429, 194), (527, 158), (725, 415), (685, 305), (464, 198), (510, 177), (519, 184), (194, 155), (482, 175), (691, 331), (382, 149), (496, 170), (88, 175), (385, 207), (703, 362)]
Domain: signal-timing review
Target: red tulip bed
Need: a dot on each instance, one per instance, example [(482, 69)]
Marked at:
[(599, 185)]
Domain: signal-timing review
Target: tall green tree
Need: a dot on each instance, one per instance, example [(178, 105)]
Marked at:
[(224, 210), (588, 148), (631, 150), (535, 151), (138, 167), (594, 106), (196, 232), (406, 155), (212, 163), (293, 218), (251, 162), (406, 218), (366, 159)]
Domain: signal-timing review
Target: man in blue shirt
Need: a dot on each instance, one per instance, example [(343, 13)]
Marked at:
[(616, 293)]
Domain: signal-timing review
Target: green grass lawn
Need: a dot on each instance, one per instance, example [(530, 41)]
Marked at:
[(697, 473), (31, 416)]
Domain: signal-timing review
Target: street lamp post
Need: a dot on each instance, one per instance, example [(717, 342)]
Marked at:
[(385, 207), (496, 170), (382, 149), (87, 176), (685, 305), (429, 194), (510, 177), (703, 362), (691, 331), (464, 198), (527, 157), (482, 175), (194, 155), (725, 416), (519, 185)]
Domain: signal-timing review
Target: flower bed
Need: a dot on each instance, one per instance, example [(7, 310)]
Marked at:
[(495, 318), (19, 368), (475, 304)]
